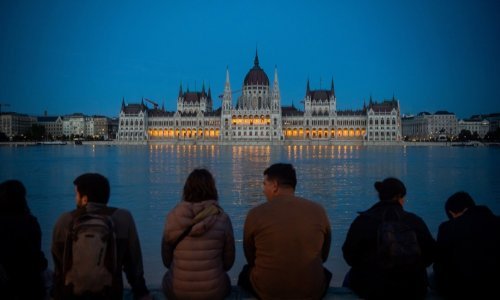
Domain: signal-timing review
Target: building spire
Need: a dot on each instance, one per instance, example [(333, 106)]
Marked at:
[(227, 86), (180, 90), (308, 90), (123, 103), (276, 86), (333, 88), (256, 60)]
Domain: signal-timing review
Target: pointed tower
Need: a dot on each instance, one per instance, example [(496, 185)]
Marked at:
[(123, 104), (180, 100), (277, 124), (203, 99), (275, 105), (307, 100), (227, 97), (226, 118), (333, 101)]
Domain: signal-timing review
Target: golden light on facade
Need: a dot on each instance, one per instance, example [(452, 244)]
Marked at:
[(252, 120)]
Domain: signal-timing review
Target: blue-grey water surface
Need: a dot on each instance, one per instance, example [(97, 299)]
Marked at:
[(147, 180)]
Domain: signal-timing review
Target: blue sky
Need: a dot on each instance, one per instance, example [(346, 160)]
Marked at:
[(84, 56)]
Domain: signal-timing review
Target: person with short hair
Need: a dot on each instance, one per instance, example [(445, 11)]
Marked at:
[(92, 192), (468, 251), (286, 240), (198, 245), (375, 276), (22, 261)]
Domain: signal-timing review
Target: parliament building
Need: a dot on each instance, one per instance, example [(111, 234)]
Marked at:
[(257, 117)]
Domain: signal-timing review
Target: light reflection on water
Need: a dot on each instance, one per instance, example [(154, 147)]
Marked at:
[(148, 181)]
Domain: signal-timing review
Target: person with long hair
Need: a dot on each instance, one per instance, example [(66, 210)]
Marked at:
[(198, 243), (22, 261)]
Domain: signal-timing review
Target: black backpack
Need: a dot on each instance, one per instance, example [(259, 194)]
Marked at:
[(90, 259), (397, 244)]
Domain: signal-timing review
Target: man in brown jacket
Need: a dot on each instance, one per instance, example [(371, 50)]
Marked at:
[(286, 240)]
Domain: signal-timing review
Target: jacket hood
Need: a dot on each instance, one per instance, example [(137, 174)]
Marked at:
[(187, 211)]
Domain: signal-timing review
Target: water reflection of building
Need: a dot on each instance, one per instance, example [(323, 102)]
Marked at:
[(259, 117)]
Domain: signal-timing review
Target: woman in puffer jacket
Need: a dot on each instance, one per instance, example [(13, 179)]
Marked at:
[(198, 243)]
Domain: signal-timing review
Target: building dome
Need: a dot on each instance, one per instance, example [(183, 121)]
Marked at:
[(256, 75)]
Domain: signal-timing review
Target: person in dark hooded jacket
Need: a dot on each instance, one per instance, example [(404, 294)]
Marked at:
[(21, 258), (369, 277), (198, 243), (468, 251)]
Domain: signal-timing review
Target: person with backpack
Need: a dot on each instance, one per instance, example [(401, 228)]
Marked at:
[(92, 244), (467, 262), (22, 261), (198, 243), (388, 248)]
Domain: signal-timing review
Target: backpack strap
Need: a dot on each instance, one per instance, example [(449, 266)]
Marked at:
[(75, 215)]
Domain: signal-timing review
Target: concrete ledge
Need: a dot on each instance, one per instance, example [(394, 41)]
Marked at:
[(334, 293), (339, 293)]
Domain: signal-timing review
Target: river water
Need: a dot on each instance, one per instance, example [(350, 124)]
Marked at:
[(148, 180)]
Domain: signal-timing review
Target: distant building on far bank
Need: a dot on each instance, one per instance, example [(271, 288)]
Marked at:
[(493, 120), (53, 125), (481, 126), (14, 124), (77, 125), (426, 126)]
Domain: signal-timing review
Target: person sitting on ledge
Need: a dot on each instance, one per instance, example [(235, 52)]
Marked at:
[(93, 244), (388, 248), (468, 251), (21, 258), (198, 243), (285, 240)]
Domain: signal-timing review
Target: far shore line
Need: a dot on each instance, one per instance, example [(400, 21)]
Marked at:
[(257, 143)]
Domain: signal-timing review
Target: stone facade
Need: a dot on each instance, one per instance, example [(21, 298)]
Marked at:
[(13, 124), (258, 117), (426, 126)]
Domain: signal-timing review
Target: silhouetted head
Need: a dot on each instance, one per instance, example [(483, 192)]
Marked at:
[(13, 198), (200, 186), (94, 186), (458, 203), (283, 174), (390, 190)]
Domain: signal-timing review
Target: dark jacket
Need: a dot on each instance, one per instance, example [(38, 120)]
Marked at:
[(468, 255), (129, 255), (367, 278), (21, 258)]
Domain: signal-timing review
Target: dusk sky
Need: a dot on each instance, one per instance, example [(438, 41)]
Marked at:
[(85, 56)]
